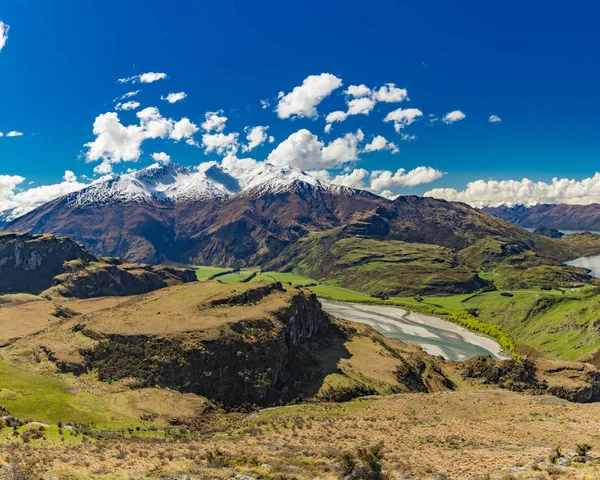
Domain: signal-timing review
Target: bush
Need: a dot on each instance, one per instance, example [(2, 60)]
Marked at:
[(583, 449), (364, 464)]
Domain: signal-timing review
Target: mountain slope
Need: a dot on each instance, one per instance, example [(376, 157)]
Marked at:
[(570, 217)]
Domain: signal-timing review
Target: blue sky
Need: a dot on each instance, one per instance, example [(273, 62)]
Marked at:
[(537, 68)]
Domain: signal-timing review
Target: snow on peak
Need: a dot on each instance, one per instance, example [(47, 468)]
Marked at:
[(172, 183)]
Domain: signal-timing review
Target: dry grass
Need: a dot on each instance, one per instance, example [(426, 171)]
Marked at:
[(458, 434)]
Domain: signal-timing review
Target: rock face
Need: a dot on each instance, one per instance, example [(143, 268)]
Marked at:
[(28, 263), (254, 362), (573, 381), (56, 265), (549, 232)]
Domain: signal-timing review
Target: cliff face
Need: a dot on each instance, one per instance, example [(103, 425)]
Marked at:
[(58, 266), (28, 263), (254, 361)]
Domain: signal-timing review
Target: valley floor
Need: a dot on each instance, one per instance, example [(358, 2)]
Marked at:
[(480, 434)]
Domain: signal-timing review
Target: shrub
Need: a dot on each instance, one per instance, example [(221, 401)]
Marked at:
[(364, 464), (583, 449)]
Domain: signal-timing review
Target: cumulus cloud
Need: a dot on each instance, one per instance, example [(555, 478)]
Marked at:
[(358, 91), (403, 117), (214, 121), (131, 105), (380, 143), (337, 116), (361, 106), (15, 202), (149, 77), (361, 100), (174, 97), (4, 28), (302, 100), (69, 176), (494, 119), (389, 93), (116, 142), (256, 136), (184, 129), (220, 143), (453, 116), (161, 157), (304, 150), (481, 193), (385, 179), (265, 104)]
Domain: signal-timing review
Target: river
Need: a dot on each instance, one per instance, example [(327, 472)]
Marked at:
[(434, 335)]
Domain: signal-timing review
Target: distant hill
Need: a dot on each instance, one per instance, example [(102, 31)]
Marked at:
[(561, 216), (50, 265)]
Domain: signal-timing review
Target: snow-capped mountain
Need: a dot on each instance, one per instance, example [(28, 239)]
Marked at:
[(172, 184)]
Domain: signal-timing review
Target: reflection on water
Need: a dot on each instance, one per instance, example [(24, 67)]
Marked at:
[(592, 263)]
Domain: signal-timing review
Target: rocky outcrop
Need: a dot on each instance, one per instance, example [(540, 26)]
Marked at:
[(28, 263), (248, 362), (50, 265), (549, 232), (573, 381)]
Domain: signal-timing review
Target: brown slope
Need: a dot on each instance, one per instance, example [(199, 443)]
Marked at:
[(575, 217), (246, 229)]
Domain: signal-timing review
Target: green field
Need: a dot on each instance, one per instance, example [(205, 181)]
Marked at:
[(204, 273), (51, 398)]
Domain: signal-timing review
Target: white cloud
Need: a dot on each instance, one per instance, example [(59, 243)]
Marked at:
[(304, 150), (17, 203), (301, 149), (116, 142), (302, 100), (384, 179), (453, 116), (337, 116), (153, 124), (389, 93), (494, 119), (184, 129), (14, 134), (265, 104), (4, 28), (342, 150), (129, 94), (358, 91), (69, 176), (214, 121), (256, 137), (361, 106), (512, 192), (127, 105), (220, 143), (403, 117), (327, 128), (174, 97), (354, 179), (161, 157), (149, 77), (380, 143)]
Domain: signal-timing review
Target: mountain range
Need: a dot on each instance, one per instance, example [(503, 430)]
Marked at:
[(170, 213), (561, 216)]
